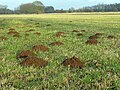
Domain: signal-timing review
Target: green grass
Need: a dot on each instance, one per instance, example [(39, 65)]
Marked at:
[(55, 77)]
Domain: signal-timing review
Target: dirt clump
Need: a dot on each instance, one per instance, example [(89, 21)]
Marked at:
[(56, 43), (3, 38), (98, 34), (75, 31), (94, 37), (111, 37), (48, 25), (92, 41), (11, 29), (37, 33), (73, 62), (34, 61), (79, 34), (40, 48), (30, 30), (13, 32), (16, 35), (82, 30), (59, 34), (25, 54)]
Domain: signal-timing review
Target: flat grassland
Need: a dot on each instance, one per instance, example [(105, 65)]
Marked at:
[(101, 57)]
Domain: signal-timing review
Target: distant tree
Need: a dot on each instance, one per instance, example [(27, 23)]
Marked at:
[(30, 8), (49, 9)]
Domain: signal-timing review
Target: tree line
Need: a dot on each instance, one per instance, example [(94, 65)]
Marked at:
[(38, 7)]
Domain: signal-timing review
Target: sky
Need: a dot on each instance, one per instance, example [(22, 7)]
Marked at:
[(59, 4)]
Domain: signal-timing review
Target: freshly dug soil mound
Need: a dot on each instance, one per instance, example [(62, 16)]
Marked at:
[(48, 25), (98, 34), (79, 34), (56, 43), (13, 32), (30, 30), (37, 33), (16, 35), (59, 34), (93, 37), (75, 31), (92, 41), (11, 29), (40, 48), (73, 62), (111, 37), (25, 54), (34, 61), (83, 31), (3, 38)]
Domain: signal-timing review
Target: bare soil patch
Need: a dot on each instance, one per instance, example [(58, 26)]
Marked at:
[(111, 37), (79, 34), (92, 41), (73, 62), (3, 38), (40, 48), (37, 33), (34, 61), (25, 54), (59, 34)]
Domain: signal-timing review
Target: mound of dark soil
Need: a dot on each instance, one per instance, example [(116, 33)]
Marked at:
[(13, 32), (3, 38), (59, 34), (111, 37), (30, 30), (48, 25), (37, 33), (75, 31), (92, 41), (11, 29), (94, 37), (16, 35), (98, 34), (79, 34), (40, 48), (25, 54), (73, 62), (82, 30), (56, 43), (34, 61)]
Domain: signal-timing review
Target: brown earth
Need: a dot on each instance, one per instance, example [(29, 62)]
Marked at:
[(75, 31), (98, 34), (30, 30), (92, 41), (59, 34), (94, 37), (56, 43), (16, 35), (73, 62), (82, 30), (79, 34), (40, 48), (34, 61), (37, 33), (13, 32), (25, 54), (48, 25), (11, 29), (3, 38), (111, 37)]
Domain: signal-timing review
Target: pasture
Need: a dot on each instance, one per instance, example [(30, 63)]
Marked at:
[(93, 39)]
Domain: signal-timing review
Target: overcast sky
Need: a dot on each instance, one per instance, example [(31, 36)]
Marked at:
[(59, 4)]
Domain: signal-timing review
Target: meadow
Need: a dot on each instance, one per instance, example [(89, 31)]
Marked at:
[(101, 57)]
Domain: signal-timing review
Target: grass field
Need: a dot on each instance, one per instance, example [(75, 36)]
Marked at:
[(101, 69)]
